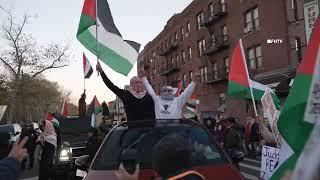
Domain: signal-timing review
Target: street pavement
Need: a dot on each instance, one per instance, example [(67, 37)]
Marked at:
[(250, 168)]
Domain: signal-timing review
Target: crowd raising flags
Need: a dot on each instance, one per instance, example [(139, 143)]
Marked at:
[(98, 33)]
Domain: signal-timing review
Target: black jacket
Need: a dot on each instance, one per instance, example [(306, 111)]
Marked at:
[(136, 109)]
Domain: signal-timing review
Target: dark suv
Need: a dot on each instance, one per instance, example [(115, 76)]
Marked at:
[(134, 145), (74, 139)]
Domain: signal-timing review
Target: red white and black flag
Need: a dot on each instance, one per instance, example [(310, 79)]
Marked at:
[(87, 68)]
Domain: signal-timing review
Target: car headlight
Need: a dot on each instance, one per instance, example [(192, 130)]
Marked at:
[(64, 155)]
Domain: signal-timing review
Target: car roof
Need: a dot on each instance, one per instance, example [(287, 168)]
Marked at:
[(158, 123)]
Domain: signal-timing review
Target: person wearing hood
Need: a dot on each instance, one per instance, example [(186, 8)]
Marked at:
[(138, 105), (168, 105), (48, 141)]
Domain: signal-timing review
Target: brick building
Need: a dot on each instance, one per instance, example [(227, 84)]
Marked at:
[(201, 39)]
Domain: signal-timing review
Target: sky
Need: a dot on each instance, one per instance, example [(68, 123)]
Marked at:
[(57, 21)]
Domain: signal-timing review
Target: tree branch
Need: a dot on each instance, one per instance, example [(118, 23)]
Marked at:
[(8, 65), (49, 67)]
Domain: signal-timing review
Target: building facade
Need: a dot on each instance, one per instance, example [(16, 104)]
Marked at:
[(201, 39)]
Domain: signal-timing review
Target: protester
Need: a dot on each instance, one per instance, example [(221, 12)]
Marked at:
[(209, 123), (32, 135), (266, 134), (220, 130), (10, 166), (171, 159), (48, 141), (252, 137), (168, 105), (137, 103), (232, 141), (82, 105), (93, 143), (241, 130)]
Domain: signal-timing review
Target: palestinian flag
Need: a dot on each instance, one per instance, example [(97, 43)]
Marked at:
[(190, 109), (87, 68), (293, 126), (239, 81), (65, 111), (106, 43), (94, 109), (53, 120)]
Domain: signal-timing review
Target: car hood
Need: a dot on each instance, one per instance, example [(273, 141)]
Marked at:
[(217, 172)]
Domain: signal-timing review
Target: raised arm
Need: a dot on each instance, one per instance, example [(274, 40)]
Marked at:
[(119, 92), (146, 84), (187, 93)]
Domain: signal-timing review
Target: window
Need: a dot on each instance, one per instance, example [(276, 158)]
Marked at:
[(159, 70), (204, 74), (190, 53), (224, 32), (177, 58), (200, 20), (201, 46), (222, 102), (184, 82), (167, 43), (176, 36), (190, 75), (227, 64), (251, 20), (298, 48), (188, 31), (223, 5), (182, 33), (183, 57), (255, 57), (211, 9), (172, 61), (215, 71), (295, 9)]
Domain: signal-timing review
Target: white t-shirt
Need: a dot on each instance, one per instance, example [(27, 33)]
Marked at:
[(169, 109)]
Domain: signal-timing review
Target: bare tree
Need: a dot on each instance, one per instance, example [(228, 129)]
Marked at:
[(23, 55)]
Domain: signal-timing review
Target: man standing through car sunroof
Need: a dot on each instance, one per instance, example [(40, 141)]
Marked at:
[(167, 105)]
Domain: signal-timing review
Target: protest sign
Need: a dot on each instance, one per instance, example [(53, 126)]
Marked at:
[(2, 110), (269, 160), (272, 113)]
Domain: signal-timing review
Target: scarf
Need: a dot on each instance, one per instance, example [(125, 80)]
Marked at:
[(138, 95), (49, 134)]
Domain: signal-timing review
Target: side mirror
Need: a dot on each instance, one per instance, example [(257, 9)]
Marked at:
[(82, 164), (82, 161), (236, 156), (129, 159)]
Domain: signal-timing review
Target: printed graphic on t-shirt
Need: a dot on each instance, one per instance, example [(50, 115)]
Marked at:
[(165, 111)]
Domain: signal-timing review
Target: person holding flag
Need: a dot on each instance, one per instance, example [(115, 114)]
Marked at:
[(137, 103)]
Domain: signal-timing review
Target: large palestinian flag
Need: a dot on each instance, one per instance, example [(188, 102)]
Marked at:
[(293, 126), (107, 42), (239, 81)]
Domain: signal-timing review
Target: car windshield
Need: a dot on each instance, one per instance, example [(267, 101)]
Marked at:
[(205, 151)]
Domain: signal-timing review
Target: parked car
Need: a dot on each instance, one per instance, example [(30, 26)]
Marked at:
[(135, 145), (14, 130), (74, 139)]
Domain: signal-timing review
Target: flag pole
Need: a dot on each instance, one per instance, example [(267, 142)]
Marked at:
[(97, 47), (251, 92)]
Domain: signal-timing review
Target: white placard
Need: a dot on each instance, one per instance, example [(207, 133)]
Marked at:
[(312, 114), (311, 12), (2, 110), (269, 160)]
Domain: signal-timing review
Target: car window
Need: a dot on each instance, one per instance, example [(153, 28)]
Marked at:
[(204, 149)]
